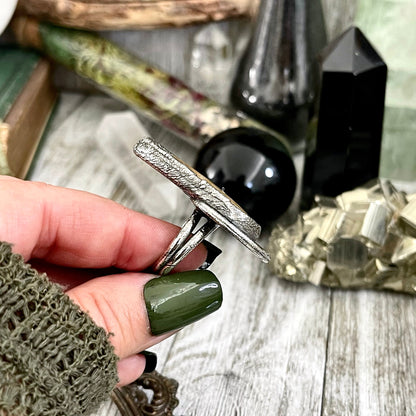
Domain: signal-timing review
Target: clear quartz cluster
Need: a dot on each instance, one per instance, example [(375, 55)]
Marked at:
[(364, 238)]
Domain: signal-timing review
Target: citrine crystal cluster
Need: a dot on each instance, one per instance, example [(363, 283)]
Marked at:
[(364, 238)]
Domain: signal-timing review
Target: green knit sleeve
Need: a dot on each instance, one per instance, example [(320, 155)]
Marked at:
[(53, 359)]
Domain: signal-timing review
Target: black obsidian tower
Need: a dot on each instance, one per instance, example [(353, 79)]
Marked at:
[(345, 152)]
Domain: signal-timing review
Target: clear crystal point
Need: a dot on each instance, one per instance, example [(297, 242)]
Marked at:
[(211, 63)]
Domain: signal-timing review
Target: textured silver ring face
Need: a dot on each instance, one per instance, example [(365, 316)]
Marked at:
[(217, 207)]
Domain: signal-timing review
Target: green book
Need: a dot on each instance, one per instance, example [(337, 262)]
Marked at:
[(16, 68), (27, 98)]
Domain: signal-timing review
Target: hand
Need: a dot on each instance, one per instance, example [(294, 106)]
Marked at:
[(76, 237)]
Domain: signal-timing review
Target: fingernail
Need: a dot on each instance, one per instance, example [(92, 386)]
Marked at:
[(176, 300), (212, 253), (151, 361)]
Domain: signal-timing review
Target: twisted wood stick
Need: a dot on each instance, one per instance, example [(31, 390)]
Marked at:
[(134, 14)]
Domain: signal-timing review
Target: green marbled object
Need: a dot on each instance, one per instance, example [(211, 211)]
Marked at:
[(146, 88)]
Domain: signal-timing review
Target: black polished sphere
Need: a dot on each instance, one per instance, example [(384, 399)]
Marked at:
[(254, 168)]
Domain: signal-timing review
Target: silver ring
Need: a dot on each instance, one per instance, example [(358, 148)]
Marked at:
[(213, 208)]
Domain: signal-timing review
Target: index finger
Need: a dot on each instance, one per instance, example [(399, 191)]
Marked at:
[(79, 229)]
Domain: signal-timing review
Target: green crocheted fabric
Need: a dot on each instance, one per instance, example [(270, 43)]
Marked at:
[(53, 359)]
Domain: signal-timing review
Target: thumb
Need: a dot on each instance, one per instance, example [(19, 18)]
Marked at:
[(139, 310)]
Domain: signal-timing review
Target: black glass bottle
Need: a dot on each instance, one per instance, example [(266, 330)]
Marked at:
[(276, 78)]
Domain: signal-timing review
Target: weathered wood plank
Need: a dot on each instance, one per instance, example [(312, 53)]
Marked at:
[(371, 367), (262, 353)]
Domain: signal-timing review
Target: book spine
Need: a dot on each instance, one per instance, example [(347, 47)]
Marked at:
[(27, 119), (146, 88)]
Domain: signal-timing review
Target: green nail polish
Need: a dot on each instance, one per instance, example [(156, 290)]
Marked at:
[(177, 300)]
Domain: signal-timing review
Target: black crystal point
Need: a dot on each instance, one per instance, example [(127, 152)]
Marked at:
[(345, 152), (254, 168)]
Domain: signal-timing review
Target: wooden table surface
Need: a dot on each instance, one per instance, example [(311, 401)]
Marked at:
[(275, 347)]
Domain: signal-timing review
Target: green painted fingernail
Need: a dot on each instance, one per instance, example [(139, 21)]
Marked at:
[(176, 300)]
